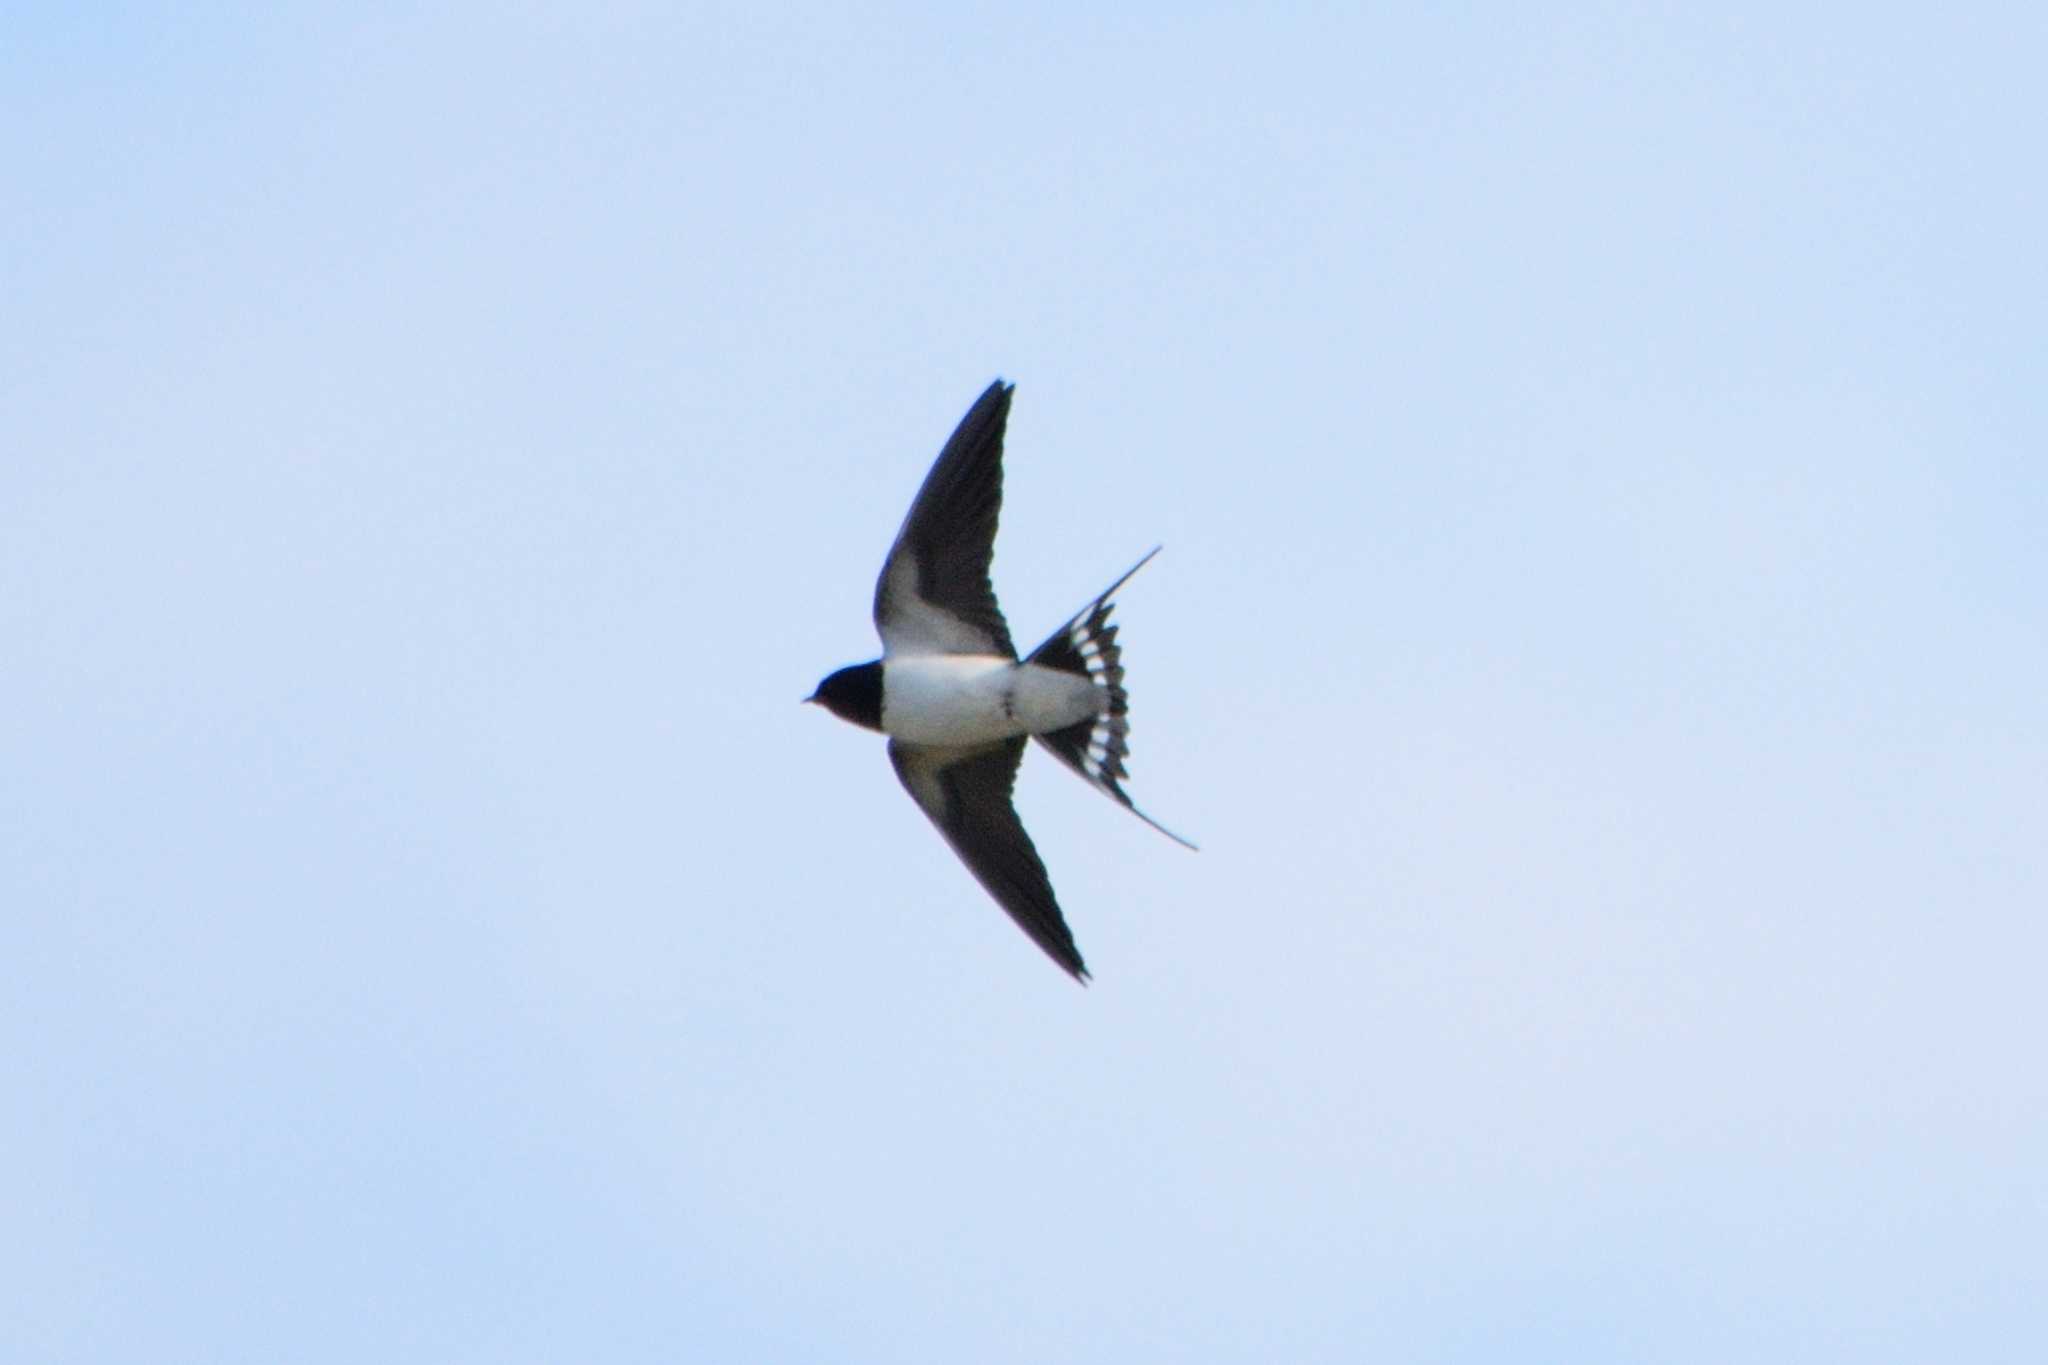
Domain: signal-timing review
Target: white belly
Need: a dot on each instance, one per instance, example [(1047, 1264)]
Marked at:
[(976, 698)]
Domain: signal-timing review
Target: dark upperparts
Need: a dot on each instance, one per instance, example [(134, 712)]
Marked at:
[(853, 693)]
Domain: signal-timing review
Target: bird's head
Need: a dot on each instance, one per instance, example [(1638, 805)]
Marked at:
[(853, 693)]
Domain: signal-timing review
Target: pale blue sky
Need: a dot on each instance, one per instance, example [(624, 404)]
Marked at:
[(1599, 646)]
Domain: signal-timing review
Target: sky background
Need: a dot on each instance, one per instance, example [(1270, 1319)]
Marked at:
[(1599, 646)]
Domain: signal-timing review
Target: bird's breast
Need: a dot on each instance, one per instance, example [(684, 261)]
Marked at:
[(976, 699)]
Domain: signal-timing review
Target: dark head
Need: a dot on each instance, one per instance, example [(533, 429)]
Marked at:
[(853, 694)]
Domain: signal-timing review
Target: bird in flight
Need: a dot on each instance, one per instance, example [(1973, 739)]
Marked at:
[(956, 701)]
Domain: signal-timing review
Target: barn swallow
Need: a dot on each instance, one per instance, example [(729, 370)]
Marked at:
[(956, 701)]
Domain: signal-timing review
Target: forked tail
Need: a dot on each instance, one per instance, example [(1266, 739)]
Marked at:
[(1096, 748)]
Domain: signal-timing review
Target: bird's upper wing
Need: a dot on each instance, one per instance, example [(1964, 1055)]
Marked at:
[(933, 596), (966, 792)]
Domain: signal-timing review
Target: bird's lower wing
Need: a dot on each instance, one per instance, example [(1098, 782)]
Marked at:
[(966, 794)]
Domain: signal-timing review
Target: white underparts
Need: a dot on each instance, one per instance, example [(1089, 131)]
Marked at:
[(977, 698)]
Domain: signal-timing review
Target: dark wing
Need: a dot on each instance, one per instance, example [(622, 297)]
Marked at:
[(966, 792), (934, 596)]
